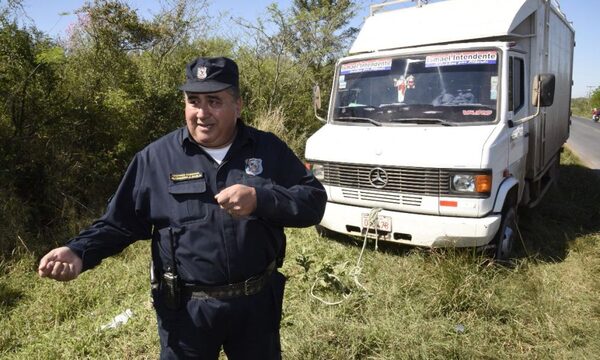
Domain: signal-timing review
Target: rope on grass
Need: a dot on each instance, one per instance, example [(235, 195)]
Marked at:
[(357, 270)]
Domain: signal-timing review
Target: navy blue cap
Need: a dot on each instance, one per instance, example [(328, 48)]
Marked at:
[(208, 75)]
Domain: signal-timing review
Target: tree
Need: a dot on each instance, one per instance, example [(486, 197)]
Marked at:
[(320, 30), (73, 113), (280, 66), (595, 98), (29, 64)]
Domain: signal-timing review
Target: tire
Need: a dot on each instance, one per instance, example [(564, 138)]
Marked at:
[(506, 237)]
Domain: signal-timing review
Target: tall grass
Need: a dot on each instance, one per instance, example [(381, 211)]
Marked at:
[(275, 121), (415, 304)]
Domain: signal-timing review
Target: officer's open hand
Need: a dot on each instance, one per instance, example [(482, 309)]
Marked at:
[(60, 264), (238, 200)]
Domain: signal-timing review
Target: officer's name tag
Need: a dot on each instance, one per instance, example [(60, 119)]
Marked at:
[(186, 176)]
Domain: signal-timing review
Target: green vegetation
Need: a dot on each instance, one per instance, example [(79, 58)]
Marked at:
[(417, 304), (595, 98), (73, 113), (583, 106)]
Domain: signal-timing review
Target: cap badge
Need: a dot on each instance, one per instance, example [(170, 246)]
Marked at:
[(201, 73), (254, 166)]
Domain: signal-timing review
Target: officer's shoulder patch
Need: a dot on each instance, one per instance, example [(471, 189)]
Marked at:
[(186, 176)]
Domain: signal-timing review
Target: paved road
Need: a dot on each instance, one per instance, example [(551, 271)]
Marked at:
[(584, 141)]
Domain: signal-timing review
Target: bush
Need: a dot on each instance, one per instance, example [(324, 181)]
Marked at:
[(13, 222), (274, 121)]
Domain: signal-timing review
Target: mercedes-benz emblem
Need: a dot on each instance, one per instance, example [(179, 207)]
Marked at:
[(378, 177)]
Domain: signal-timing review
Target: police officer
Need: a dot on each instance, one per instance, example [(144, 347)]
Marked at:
[(214, 197)]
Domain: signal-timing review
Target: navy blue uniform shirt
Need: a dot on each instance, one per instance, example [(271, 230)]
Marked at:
[(172, 183)]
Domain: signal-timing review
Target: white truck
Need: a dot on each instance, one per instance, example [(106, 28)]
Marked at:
[(444, 119)]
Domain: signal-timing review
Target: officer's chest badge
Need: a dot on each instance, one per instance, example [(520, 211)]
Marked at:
[(254, 166)]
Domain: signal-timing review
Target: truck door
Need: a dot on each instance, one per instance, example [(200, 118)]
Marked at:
[(518, 99)]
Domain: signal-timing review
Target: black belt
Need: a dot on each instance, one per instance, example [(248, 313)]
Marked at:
[(248, 287)]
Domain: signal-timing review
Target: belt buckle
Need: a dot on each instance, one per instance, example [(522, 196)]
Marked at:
[(247, 287), (249, 282)]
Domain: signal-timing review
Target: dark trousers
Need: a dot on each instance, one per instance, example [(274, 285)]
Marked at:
[(246, 327)]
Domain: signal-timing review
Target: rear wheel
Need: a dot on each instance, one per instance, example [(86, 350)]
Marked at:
[(506, 237)]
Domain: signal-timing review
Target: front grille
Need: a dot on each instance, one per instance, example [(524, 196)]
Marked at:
[(401, 181), (382, 196)]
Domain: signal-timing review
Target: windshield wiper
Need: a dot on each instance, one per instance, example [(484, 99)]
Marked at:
[(424, 121), (392, 105), (357, 118)]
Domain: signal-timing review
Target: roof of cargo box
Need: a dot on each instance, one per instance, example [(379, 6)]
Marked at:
[(441, 22)]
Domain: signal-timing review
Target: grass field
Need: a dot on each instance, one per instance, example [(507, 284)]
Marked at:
[(415, 304)]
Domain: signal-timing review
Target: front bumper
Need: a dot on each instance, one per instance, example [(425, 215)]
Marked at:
[(416, 229)]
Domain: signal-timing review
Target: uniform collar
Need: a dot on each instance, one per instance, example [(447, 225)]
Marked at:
[(241, 138)]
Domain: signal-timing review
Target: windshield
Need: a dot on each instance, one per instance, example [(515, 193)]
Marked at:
[(443, 88)]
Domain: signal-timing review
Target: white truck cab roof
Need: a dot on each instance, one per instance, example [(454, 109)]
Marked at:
[(447, 21)]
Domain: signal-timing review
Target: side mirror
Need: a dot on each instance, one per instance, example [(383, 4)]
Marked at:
[(543, 90), (542, 94), (316, 95)]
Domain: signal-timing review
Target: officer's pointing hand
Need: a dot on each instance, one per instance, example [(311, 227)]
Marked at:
[(60, 264), (238, 200)]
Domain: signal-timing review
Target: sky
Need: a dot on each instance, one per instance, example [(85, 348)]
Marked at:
[(49, 16)]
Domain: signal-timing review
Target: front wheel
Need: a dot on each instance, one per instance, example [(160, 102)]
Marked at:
[(506, 236)]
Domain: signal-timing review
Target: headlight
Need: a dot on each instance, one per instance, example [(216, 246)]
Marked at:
[(317, 170), (475, 184)]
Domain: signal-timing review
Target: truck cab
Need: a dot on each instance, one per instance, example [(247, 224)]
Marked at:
[(435, 137)]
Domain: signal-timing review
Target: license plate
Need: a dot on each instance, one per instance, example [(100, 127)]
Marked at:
[(384, 223)]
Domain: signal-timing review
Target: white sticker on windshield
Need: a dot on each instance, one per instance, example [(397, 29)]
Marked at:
[(461, 58), (367, 65), (477, 112), (342, 82), (493, 88)]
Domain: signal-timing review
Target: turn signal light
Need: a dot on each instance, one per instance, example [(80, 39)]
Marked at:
[(483, 183)]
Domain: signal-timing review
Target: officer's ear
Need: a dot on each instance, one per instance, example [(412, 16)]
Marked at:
[(239, 104)]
